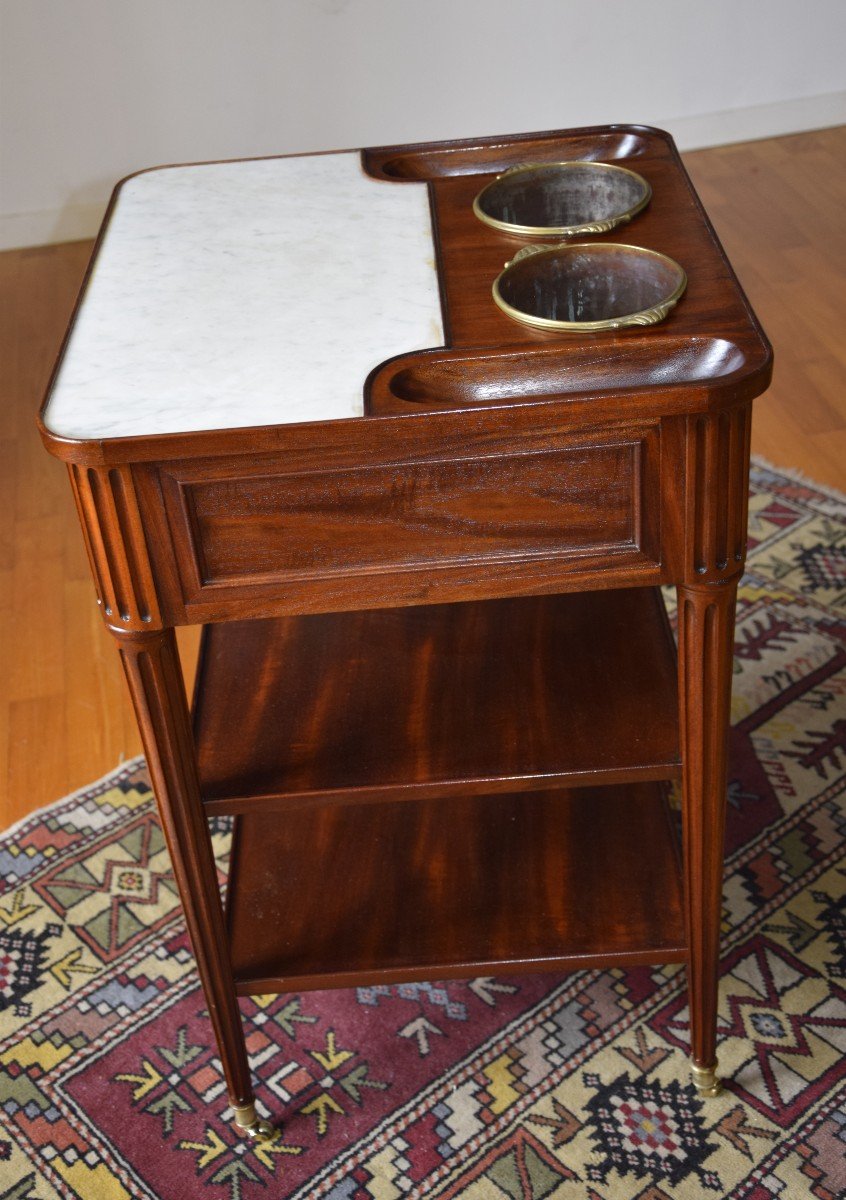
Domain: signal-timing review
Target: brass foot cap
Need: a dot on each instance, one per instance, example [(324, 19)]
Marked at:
[(251, 1124), (705, 1080)]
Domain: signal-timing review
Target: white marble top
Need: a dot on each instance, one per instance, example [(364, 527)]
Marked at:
[(247, 293)]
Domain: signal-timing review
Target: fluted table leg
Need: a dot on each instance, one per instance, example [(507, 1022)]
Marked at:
[(151, 663), (706, 637)]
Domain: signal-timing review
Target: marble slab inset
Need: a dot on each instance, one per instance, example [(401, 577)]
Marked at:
[(247, 293)]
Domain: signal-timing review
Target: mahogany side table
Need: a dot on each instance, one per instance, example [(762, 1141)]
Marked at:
[(438, 690)]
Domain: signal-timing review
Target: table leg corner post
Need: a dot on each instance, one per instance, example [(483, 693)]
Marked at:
[(706, 637), (151, 663), (705, 1079), (254, 1127)]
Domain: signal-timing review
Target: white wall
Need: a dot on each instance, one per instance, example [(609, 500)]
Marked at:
[(93, 89)]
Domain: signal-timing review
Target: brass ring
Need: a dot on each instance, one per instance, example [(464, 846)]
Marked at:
[(603, 225), (647, 316)]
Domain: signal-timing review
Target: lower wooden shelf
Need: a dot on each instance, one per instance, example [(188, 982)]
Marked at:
[(346, 895)]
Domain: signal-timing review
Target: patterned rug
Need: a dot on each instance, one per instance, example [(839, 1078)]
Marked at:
[(495, 1089)]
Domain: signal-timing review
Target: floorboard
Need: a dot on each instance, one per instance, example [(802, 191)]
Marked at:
[(64, 715)]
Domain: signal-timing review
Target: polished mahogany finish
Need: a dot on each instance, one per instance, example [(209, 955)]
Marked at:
[(367, 517), (409, 703), (706, 640), (462, 885), (151, 663), (531, 490)]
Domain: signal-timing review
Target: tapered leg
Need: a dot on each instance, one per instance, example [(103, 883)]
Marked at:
[(706, 637), (151, 663)]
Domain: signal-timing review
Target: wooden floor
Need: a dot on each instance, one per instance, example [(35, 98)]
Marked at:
[(778, 207), (64, 715)]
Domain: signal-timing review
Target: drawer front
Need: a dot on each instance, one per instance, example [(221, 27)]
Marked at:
[(238, 525)]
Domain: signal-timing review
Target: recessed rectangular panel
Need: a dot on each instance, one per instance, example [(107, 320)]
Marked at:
[(548, 504)]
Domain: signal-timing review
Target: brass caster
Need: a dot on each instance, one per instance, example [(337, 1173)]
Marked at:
[(705, 1080), (248, 1122)]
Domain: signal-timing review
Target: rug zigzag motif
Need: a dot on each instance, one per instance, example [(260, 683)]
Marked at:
[(529, 1087)]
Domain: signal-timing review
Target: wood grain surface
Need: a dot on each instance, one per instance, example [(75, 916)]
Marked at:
[(778, 208), (706, 638), (151, 663), (456, 886), (501, 695)]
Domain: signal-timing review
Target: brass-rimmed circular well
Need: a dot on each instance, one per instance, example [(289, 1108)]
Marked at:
[(588, 286), (564, 199)]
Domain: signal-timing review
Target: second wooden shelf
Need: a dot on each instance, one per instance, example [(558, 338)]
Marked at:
[(498, 695)]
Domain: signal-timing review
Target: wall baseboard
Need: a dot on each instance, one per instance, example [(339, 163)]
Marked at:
[(74, 222), (757, 121), (71, 223)]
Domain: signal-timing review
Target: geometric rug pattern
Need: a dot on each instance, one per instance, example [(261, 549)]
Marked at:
[(510, 1088)]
